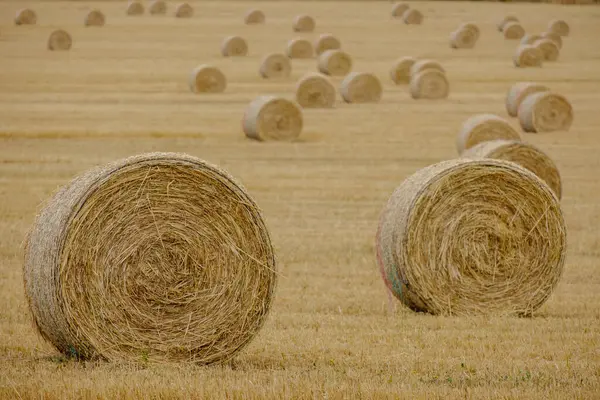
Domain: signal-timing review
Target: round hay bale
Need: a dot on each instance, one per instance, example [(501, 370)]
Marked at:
[(234, 46), (273, 118), (502, 23), (275, 66), (207, 79), (300, 48), (555, 37), (482, 128), (472, 237), (400, 72), (429, 84), (303, 23), (184, 10), (422, 65), (399, 9), (548, 48), (60, 40), (528, 56), (157, 7), (335, 63), (464, 37), (361, 87), (26, 16), (545, 112), (315, 91), (530, 38), (254, 17), (160, 257), (559, 27), (412, 17), (326, 42), (94, 18), (135, 8), (518, 92), (524, 154), (513, 31)]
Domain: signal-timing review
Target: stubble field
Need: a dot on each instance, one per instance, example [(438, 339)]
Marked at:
[(333, 332)]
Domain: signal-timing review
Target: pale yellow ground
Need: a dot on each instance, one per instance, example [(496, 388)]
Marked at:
[(122, 90)]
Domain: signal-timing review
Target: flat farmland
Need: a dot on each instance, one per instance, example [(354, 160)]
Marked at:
[(333, 331)]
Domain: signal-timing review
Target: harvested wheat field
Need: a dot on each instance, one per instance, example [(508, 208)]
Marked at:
[(333, 329)]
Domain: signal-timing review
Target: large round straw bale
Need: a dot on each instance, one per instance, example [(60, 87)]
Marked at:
[(326, 42), (300, 48), (464, 37), (60, 40), (234, 46), (506, 20), (26, 16), (157, 7), (555, 37), (528, 56), (184, 10), (548, 48), (530, 38), (94, 18), (482, 128), (254, 17), (335, 63), (275, 66), (135, 8), (412, 17), (559, 27), (472, 237), (315, 91), (303, 23), (400, 72), (159, 257), (361, 87), (399, 9), (518, 92), (429, 84), (422, 65), (207, 79), (545, 112), (273, 118), (513, 31), (524, 154)]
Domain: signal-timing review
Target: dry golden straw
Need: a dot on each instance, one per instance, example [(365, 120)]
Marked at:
[(513, 31), (518, 92), (528, 56), (94, 18), (555, 37), (315, 91), (60, 40), (465, 36), (273, 118), (429, 84), (160, 257), (303, 23), (559, 27), (524, 154), (300, 48), (26, 16), (326, 42), (157, 7), (412, 17), (482, 128), (549, 49), (361, 87), (135, 8), (399, 9), (422, 65), (207, 79), (400, 72), (234, 46), (472, 237), (545, 112), (275, 66), (254, 17), (502, 23), (530, 38), (184, 10), (335, 63)]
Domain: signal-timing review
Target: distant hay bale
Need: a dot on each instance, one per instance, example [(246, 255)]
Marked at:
[(472, 237), (482, 128), (254, 17), (545, 112), (60, 40), (157, 7), (26, 16), (157, 258), (465, 36), (559, 27), (234, 46), (361, 87), (528, 56), (518, 92), (184, 10), (530, 38), (548, 48), (326, 42), (94, 18), (422, 65), (303, 23), (335, 63), (412, 17), (135, 8), (300, 48), (502, 23), (400, 72), (555, 37), (513, 31), (273, 118), (207, 79), (315, 91), (524, 154), (399, 9), (429, 84), (275, 65)]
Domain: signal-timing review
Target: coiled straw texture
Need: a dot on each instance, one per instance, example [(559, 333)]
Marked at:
[(429, 84), (528, 55), (300, 48), (518, 92), (361, 87), (273, 118), (315, 91), (545, 112), (326, 42), (275, 65), (60, 40), (334, 63), (207, 79), (234, 46)]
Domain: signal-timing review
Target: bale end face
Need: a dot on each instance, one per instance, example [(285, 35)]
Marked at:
[(254, 17), (207, 79), (361, 87), (273, 118), (234, 46), (95, 18), (335, 63), (158, 7), (135, 8), (483, 128), (326, 42), (429, 84), (26, 16), (184, 10), (315, 91), (412, 17), (518, 92), (400, 72), (549, 49), (513, 31), (303, 23), (528, 56), (502, 23), (60, 40), (275, 66), (300, 48), (559, 27), (545, 112), (399, 9)]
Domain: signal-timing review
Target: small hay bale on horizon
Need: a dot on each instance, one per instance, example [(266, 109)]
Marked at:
[(300, 48), (400, 71), (26, 16), (527, 56), (157, 7), (326, 41), (275, 65), (399, 9), (559, 26), (234, 46), (254, 17), (507, 19), (184, 10), (59, 40), (545, 112), (207, 79), (273, 118), (94, 18), (555, 37), (334, 63), (465, 36), (513, 31), (549, 49), (135, 8), (518, 92), (481, 128), (303, 23), (412, 17), (314, 90), (429, 84)]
